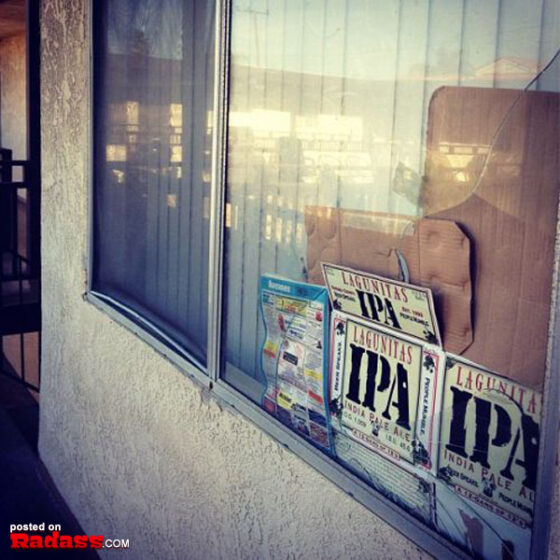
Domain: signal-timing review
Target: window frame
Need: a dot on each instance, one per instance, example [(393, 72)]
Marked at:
[(210, 378)]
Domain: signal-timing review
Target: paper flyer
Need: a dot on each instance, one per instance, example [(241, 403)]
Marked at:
[(490, 440), (384, 390), (475, 528), (401, 486), (294, 356), (400, 307)]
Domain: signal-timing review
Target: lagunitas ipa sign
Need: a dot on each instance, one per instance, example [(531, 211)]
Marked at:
[(489, 440), (379, 390), (402, 308)]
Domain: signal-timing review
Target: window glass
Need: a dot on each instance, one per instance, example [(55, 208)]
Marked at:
[(413, 141), (153, 101)]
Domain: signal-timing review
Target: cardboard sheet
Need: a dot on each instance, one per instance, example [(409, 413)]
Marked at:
[(437, 255), (509, 212)]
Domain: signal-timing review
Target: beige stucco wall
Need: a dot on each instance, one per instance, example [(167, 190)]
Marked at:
[(133, 446), (13, 108)]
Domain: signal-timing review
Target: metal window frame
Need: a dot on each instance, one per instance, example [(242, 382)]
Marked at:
[(403, 522)]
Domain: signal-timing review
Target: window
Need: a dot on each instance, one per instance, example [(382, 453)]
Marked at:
[(154, 91), (352, 220)]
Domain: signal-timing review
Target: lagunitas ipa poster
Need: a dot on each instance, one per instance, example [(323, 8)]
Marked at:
[(379, 390), (403, 487), (489, 440), (402, 308)]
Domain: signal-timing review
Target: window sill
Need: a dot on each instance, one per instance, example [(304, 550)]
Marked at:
[(182, 361)]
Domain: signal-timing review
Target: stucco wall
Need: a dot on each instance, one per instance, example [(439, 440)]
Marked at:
[(131, 443), (13, 111)]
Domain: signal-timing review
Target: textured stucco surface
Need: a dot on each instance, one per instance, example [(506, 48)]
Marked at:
[(133, 446), (13, 109), (554, 551)]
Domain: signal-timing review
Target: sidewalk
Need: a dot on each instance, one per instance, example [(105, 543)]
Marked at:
[(27, 492)]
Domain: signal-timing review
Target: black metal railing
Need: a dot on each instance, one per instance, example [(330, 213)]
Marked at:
[(20, 307)]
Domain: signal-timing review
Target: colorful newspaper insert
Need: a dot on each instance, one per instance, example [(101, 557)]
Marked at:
[(380, 387), (294, 355), (490, 440), (401, 307)]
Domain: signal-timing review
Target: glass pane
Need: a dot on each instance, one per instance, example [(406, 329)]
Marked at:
[(154, 75), (413, 141)]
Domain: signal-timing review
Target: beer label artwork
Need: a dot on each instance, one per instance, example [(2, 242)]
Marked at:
[(490, 440), (380, 388), (426, 440), (413, 493), (400, 307), (294, 356)]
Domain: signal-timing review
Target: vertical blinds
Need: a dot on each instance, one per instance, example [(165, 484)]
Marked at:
[(154, 89)]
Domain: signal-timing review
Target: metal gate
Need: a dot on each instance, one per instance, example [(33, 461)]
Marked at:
[(20, 294)]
